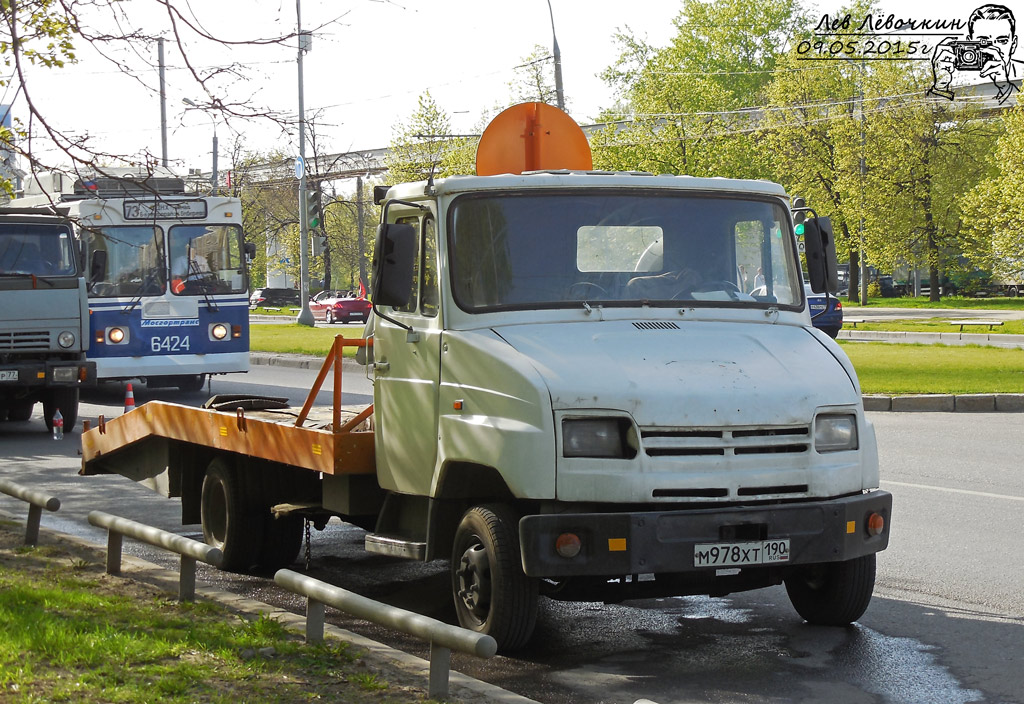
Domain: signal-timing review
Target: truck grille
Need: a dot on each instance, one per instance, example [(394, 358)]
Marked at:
[(660, 442), (24, 341)]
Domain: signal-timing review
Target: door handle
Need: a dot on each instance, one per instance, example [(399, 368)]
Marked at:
[(381, 367)]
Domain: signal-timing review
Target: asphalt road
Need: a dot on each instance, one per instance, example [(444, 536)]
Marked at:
[(946, 624)]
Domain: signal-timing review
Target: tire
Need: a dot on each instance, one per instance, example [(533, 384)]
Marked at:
[(329, 317), (1013, 292), (833, 593), (230, 519), (21, 411), (492, 594), (192, 382), (282, 540), (67, 401)]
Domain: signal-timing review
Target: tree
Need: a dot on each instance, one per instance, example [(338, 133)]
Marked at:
[(689, 104), (424, 146), (994, 208)]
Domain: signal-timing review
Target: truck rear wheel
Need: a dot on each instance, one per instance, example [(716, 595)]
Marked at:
[(67, 401), (282, 540), (833, 593), (230, 520), (492, 594)]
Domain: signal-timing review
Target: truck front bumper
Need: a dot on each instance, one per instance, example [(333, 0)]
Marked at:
[(614, 544), (47, 373)]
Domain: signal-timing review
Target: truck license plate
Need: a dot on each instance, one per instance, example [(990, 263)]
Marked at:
[(8, 374), (738, 554)]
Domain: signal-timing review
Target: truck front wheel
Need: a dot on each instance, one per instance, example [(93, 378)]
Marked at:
[(833, 593), (67, 401), (492, 594), (230, 520)]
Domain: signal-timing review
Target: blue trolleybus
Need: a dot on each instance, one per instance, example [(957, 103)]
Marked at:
[(166, 274)]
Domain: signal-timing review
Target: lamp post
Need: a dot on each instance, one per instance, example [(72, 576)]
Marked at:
[(558, 61), (213, 177), (305, 316)]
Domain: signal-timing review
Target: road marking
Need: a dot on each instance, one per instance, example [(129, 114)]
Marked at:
[(956, 491)]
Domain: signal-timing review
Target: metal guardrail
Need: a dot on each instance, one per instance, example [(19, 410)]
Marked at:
[(190, 550), (37, 501), (443, 637)]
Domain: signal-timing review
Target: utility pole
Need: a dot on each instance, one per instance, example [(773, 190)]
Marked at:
[(863, 173), (163, 102), (305, 316), (359, 233)]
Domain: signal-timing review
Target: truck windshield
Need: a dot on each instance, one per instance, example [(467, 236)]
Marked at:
[(134, 262), (560, 249), (39, 250)]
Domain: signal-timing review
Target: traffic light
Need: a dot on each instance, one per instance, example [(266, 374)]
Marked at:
[(314, 213)]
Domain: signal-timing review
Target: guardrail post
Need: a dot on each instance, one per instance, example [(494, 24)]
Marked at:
[(35, 514), (440, 664), (187, 579), (114, 541), (314, 620)]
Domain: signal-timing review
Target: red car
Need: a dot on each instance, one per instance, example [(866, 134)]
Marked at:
[(339, 307)]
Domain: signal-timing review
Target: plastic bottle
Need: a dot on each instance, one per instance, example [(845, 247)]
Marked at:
[(58, 426)]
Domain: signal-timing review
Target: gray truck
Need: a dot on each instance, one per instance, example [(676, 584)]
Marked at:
[(44, 318)]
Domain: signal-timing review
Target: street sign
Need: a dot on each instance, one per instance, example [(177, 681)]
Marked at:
[(300, 167)]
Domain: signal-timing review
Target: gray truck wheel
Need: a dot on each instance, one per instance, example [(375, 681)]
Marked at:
[(67, 401), (833, 593), (492, 594), (230, 520)]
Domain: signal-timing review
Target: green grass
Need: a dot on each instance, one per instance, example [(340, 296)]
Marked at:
[(996, 303), (895, 369), (280, 338)]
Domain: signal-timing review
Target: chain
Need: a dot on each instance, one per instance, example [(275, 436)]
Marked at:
[(309, 552)]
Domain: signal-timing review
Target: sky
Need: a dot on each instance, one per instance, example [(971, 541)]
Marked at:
[(369, 63)]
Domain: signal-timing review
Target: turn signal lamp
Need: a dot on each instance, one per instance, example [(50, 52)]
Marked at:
[(568, 545), (875, 524)]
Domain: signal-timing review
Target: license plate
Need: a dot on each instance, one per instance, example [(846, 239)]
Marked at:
[(817, 307), (761, 552), (8, 374)]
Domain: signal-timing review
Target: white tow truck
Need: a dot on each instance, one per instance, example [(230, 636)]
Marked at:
[(576, 396)]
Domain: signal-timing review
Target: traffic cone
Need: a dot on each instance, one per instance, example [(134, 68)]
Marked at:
[(129, 398)]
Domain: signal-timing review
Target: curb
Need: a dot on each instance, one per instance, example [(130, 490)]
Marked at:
[(381, 655), (940, 403)]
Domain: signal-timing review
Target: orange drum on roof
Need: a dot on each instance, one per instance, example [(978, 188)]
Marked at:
[(532, 137)]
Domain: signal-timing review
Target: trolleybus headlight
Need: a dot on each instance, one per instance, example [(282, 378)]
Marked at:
[(66, 339), (608, 438), (117, 336), (218, 331), (835, 433)]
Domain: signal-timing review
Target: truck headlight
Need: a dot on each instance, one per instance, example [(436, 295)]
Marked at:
[(66, 339), (835, 433), (608, 438)]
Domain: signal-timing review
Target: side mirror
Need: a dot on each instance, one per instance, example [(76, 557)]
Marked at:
[(820, 249), (98, 269), (393, 256)]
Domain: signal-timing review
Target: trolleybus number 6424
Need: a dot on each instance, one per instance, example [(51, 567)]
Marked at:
[(170, 343)]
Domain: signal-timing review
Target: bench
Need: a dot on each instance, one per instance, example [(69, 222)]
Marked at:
[(990, 323), (852, 322)]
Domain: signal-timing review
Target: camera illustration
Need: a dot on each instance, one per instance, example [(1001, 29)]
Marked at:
[(969, 55)]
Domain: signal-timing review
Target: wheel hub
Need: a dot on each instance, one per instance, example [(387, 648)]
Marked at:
[(474, 581)]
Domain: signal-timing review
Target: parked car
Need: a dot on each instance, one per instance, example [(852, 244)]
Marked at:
[(827, 316), (269, 297), (339, 307)]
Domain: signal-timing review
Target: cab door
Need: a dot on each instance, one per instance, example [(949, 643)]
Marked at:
[(407, 372)]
